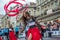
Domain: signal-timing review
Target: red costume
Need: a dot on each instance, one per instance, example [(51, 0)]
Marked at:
[(12, 36), (36, 35), (0, 38)]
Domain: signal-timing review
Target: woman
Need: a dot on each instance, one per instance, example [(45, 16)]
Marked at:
[(33, 32), (12, 35)]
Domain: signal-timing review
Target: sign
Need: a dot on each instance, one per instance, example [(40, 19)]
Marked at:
[(55, 32)]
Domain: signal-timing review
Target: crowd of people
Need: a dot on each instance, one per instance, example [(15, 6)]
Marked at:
[(51, 26)]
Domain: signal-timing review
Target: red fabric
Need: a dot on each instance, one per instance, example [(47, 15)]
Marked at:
[(43, 27), (23, 0), (0, 38), (12, 36), (16, 10), (36, 35)]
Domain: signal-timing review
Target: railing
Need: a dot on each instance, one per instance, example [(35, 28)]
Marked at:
[(52, 34)]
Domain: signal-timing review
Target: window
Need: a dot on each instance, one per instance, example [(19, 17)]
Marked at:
[(48, 5), (7, 17), (37, 9), (34, 11), (42, 7), (45, 13), (13, 23), (59, 3), (29, 11), (45, 7), (52, 0), (34, 8), (56, 2), (41, 14), (52, 3), (38, 1)]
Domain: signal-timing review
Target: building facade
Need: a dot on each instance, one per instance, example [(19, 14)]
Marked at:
[(48, 7), (5, 19), (1, 20), (45, 5)]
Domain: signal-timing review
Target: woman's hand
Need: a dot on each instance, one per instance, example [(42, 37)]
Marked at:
[(30, 37)]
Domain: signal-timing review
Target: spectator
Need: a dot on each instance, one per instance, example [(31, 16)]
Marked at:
[(50, 24), (55, 27)]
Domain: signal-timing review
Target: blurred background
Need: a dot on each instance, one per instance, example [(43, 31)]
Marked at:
[(46, 12)]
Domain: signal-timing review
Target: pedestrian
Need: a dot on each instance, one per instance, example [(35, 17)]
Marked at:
[(33, 32), (12, 35), (16, 29)]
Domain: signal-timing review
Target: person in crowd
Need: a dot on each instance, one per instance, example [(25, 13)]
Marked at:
[(0, 38), (43, 29), (6, 32), (1, 33), (49, 24), (16, 29), (55, 27), (33, 27), (12, 35)]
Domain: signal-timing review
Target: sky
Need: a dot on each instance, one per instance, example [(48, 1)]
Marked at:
[(3, 2)]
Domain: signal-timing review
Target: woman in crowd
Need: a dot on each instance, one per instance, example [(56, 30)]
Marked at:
[(12, 35), (33, 28)]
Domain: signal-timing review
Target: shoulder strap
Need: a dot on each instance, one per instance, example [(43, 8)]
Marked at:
[(38, 25)]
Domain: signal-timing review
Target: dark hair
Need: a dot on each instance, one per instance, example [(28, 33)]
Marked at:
[(24, 18), (27, 13)]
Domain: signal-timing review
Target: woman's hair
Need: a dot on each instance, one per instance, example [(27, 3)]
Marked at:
[(27, 13), (24, 18)]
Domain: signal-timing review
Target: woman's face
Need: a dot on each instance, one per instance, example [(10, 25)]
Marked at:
[(25, 15)]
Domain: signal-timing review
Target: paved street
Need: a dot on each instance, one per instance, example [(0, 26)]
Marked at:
[(21, 39), (43, 39), (51, 38)]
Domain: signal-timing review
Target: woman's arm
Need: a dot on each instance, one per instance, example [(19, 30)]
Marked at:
[(37, 23), (30, 37)]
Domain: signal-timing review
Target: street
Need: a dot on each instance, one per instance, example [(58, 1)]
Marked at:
[(51, 38), (43, 39)]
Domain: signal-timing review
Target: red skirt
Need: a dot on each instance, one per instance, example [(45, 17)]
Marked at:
[(36, 35), (0, 38), (12, 36)]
